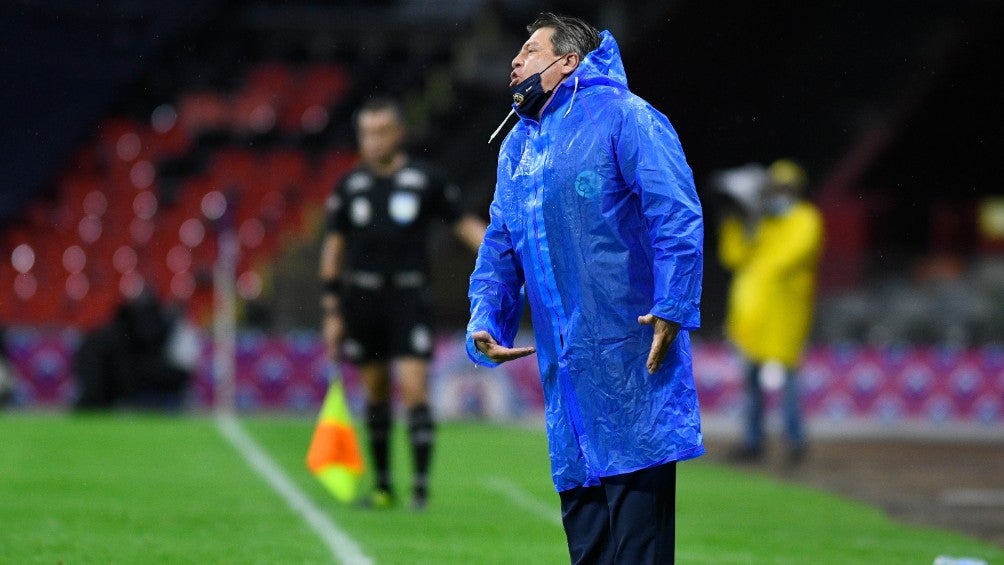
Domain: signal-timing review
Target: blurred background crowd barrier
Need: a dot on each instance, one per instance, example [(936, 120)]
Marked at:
[(135, 133), (889, 388)]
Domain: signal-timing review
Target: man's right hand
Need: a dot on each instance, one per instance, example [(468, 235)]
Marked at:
[(498, 353)]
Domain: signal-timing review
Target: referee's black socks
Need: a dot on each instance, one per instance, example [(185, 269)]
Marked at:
[(422, 433), (378, 421)]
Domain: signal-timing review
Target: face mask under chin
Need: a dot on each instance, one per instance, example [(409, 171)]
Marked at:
[(529, 96)]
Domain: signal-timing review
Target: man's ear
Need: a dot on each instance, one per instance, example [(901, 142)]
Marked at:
[(570, 63)]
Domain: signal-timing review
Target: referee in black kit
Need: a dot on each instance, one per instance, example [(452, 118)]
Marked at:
[(374, 267)]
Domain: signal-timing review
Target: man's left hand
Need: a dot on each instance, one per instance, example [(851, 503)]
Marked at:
[(665, 333), (486, 344)]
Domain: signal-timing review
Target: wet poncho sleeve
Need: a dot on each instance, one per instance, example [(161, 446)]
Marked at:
[(652, 163), (495, 288)]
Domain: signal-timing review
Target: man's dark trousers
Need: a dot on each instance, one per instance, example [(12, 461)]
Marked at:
[(628, 519)]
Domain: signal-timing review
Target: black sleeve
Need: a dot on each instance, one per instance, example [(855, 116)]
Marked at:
[(335, 220), (445, 198)]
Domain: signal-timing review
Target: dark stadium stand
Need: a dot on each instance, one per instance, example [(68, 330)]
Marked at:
[(125, 116), (251, 103), (136, 201), (112, 201)]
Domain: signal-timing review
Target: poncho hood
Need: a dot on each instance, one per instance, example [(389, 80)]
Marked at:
[(602, 65)]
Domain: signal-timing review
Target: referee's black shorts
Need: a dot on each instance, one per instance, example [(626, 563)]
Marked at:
[(386, 323)]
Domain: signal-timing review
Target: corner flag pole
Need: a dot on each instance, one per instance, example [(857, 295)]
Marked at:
[(225, 315)]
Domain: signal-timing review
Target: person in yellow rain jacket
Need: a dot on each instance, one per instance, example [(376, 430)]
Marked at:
[(773, 251)]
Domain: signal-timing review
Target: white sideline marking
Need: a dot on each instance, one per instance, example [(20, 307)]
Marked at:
[(343, 548), (981, 497), (521, 498)]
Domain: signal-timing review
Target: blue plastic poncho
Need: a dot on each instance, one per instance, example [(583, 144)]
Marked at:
[(595, 214)]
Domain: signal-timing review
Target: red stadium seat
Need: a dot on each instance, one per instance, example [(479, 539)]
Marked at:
[(110, 211)]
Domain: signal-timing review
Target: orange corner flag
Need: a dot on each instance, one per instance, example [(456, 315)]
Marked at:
[(334, 456)]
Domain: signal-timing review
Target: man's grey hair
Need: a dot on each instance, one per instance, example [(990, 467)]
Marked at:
[(571, 35)]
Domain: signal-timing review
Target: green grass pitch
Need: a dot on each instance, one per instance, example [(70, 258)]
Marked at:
[(144, 489)]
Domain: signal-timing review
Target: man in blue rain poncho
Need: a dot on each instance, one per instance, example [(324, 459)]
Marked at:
[(595, 215)]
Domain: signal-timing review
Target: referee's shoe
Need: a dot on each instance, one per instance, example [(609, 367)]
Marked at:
[(379, 499)]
